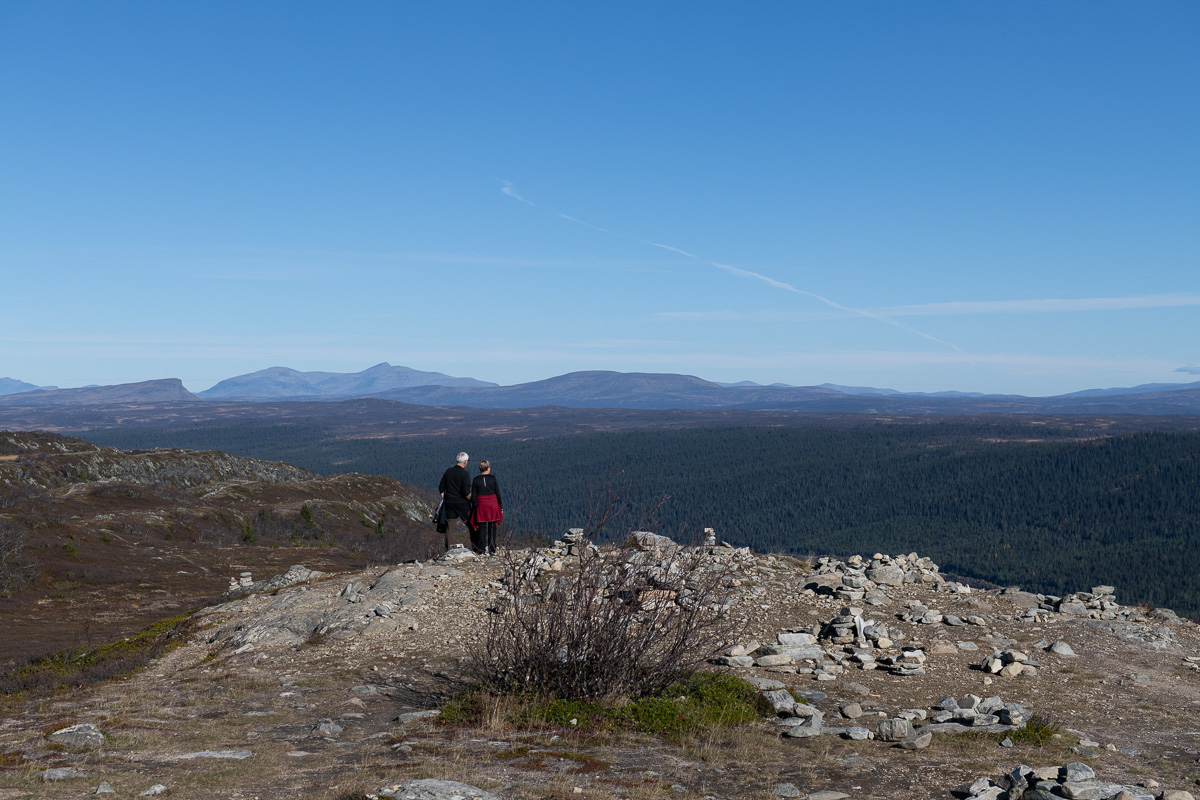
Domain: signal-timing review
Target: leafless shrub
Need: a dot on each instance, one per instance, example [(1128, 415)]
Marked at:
[(16, 566), (618, 621), (394, 540), (19, 495)]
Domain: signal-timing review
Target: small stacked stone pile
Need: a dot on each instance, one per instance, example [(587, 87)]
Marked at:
[(910, 661), (710, 537), (973, 711), (241, 582), (353, 592), (1100, 603), (1009, 664), (856, 584), (921, 614), (860, 580), (851, 628), (801, 720), (863, 637), (1076, 780), (572, 541), (791, 648)]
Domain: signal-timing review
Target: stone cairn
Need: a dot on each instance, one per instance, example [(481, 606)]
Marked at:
[(572, 541), (921, 614), (1075, 780), (861, 580), (1100, 603), (1010, 663), (978, 712), (241, 582)]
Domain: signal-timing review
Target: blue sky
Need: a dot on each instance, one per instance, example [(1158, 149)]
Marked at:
[(923, 196)]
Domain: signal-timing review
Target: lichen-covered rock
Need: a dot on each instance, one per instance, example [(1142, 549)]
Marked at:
[(84, 735), (429, 789)]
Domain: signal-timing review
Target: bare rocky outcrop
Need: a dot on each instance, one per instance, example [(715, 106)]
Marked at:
[(882, 696)]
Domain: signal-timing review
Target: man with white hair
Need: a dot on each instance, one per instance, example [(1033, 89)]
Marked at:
[(455, 488)]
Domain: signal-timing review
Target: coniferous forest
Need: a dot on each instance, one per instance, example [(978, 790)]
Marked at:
[(1004, 502)]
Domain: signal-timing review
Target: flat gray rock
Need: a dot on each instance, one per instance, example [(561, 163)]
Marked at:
[(1159, 638), (236, 754), (780, 699), (954, 727), (802, 732), (59, 774), (430, 789), (84, 735), (295, 574), (918, 742), (787, 790)]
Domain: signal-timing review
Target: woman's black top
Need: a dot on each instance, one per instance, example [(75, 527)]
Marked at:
[(486, 484)]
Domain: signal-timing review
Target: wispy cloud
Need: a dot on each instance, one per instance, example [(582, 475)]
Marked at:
[(668, 247), (512, 192), (733, 316), (1190, 369), (1044, 305), (509, 190)]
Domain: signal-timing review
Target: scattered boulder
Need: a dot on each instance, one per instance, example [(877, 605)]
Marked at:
[(917, 742), (807, 728), (894, 730), (327, 727), (1009, 663)]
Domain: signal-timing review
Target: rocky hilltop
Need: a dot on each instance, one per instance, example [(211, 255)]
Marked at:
[(888, 680), (96, 542)]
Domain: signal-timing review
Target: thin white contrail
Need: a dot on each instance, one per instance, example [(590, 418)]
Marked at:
[(509, 190)]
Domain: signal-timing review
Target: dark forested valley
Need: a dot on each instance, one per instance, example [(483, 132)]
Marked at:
[(1005, 500)]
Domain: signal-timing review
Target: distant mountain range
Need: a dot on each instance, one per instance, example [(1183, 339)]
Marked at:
[(600, 389), (166, 390), (277, 383)]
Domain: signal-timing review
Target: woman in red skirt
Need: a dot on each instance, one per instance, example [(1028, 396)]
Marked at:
[(489, 508)]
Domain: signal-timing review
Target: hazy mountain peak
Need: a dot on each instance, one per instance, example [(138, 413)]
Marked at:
[(14, 386), (277, 383)]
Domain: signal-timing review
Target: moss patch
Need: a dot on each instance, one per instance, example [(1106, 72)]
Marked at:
[(82, 666), (700, 702)]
